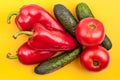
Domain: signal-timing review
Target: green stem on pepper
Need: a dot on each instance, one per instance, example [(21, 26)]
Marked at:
[(10, 15), (10, 56), (29, 33)]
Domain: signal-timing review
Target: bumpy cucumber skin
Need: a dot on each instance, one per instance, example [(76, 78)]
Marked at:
[(65, 17), (57, 62), (83, 11), (107, 43)]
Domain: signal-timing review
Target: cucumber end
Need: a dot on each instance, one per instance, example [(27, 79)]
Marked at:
[(39, 71)]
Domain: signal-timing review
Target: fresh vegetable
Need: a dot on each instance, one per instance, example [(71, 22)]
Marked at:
[(57, 62), (107, 43), (31, 14), (83, 11), (95, 58), (27, 55), (65, 17), (90, 32), (45, 38)]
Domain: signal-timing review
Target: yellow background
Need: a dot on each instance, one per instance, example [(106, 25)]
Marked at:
[(107, 11)]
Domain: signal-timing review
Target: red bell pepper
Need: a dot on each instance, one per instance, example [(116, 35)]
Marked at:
[(31, 14), (27, 55), (45, 38)]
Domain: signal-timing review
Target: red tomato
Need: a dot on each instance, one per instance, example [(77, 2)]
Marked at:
[(90, 32), (94, 58)]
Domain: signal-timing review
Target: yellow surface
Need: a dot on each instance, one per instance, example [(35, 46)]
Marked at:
[(108, 11)]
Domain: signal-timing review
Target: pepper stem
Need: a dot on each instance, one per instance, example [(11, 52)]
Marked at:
[(29, 33), (10, 56), (10, 15)]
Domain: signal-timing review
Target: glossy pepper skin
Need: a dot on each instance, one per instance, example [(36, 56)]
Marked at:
[(48, 38), (27, 55), (31, 14), (45, 38)]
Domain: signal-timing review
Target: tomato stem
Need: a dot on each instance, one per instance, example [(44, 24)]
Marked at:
[(92, 26), (95, 62)]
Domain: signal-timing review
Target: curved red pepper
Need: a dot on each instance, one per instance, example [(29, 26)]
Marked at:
[(47, 38), (31, 14), (27, 55), (51, 39)]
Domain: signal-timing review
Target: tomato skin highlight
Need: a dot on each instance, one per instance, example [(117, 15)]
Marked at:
[(90, 32), (95, 58)]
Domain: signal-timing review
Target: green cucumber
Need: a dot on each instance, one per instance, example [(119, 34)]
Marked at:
[(83, 11), (107, 43), (57, 62), (65, 17)]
